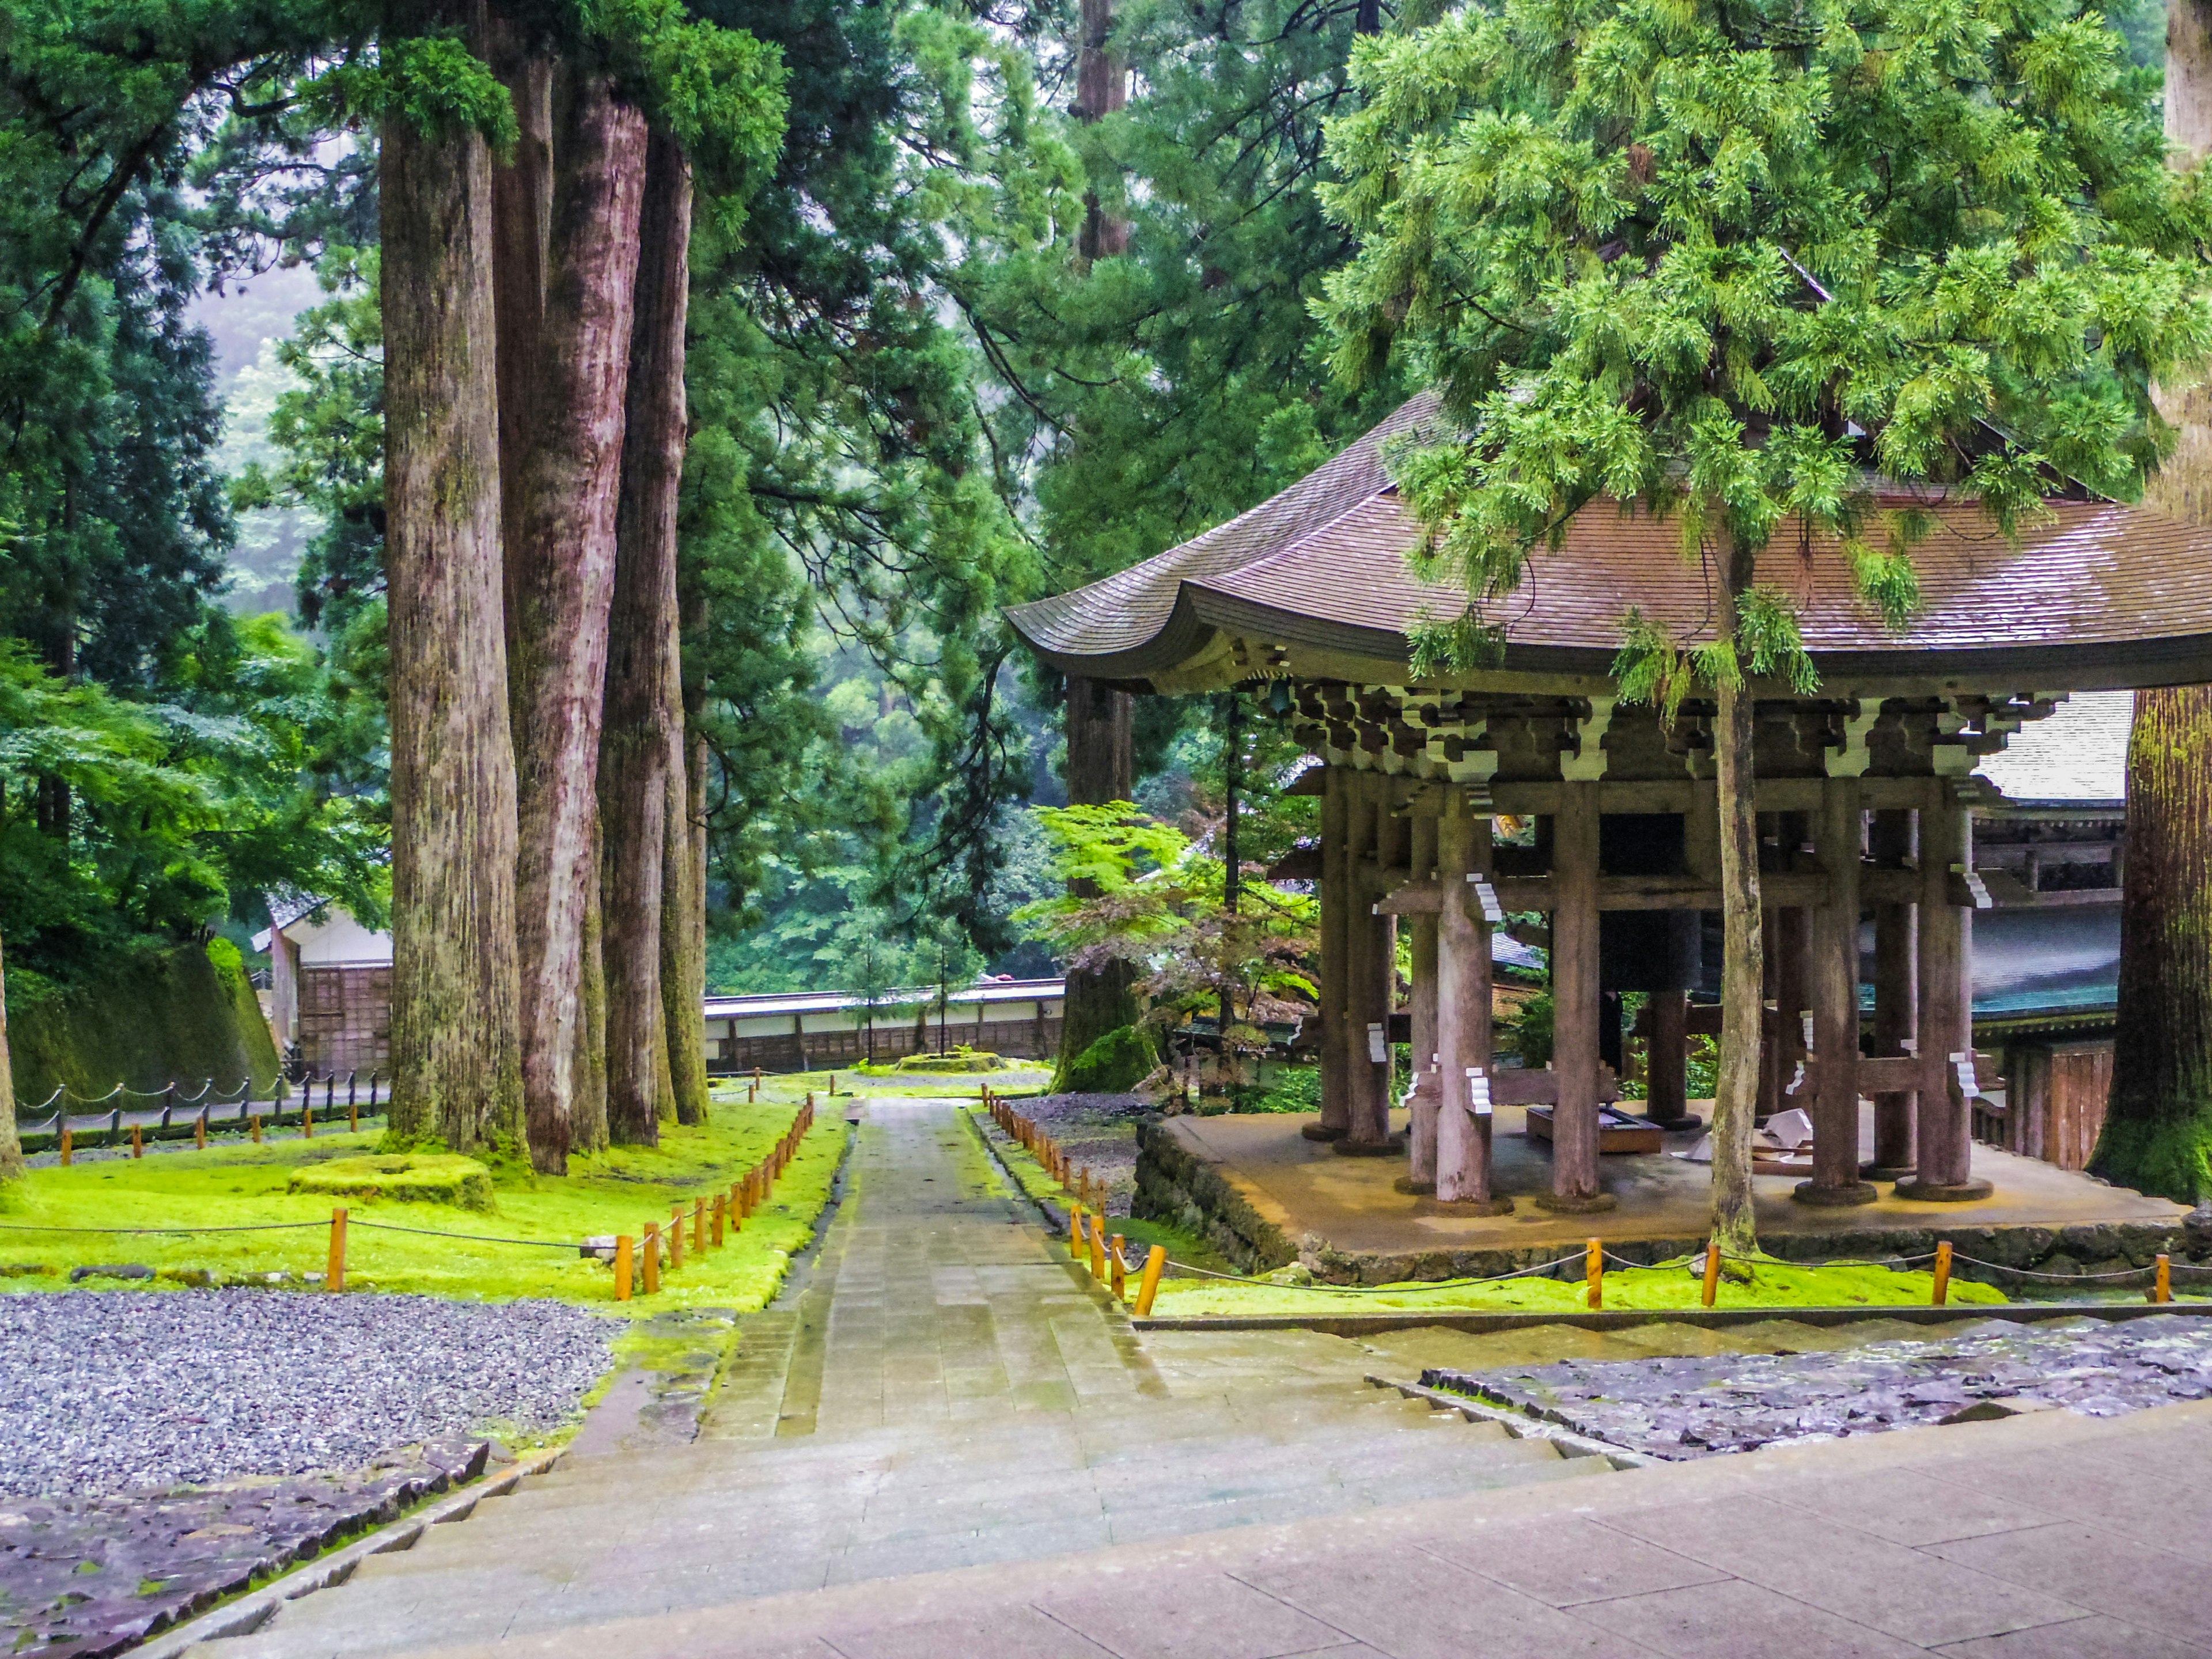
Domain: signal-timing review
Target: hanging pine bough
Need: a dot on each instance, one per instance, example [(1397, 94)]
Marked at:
[(1746, 272)]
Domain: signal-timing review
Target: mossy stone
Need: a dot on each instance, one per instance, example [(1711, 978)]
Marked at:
[(404, 1177), (959, 1061), (1114, 1064)]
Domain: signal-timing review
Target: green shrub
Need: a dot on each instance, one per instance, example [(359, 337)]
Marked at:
[(1114, 1064), (1293, 1089), (404, 1177)]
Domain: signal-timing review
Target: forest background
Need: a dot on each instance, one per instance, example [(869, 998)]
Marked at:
[(977, 334)]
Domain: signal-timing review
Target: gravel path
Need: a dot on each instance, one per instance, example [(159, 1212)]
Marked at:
[(120, 1390), (1097, 1132)]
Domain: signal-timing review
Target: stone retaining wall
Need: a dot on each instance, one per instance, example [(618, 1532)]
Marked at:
[(1176, 1185)]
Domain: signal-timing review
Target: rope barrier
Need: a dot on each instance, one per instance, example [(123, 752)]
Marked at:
[(164, 1232), (473, 1238)]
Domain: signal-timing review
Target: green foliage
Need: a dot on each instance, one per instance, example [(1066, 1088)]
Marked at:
[(1114, 1064), (403, 1178), (432, 83), (1721, 263), (1534, 1030)]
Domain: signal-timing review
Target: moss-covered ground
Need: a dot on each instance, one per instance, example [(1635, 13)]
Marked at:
[(1771, 1284), (614, 1192), (1032, 1177)]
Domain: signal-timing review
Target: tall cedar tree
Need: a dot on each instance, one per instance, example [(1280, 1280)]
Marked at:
[(575, 236), (1716, 260), (643, 797), (2158, 1128), (456, 1051)]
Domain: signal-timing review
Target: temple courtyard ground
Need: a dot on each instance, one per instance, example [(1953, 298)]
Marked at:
[(1280, 1191), (944, 1441)]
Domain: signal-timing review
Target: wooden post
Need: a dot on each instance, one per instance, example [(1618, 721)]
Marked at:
[(1947, 841), (721, 1204), (698, 1226), (353, 1112), (1574, 1003), (67, 1144), (255, 1120), (652, 1258), (1335, 947), (1896, 999), (306, 1118), (1835, 994), (1367, 996), (1712, 1271), (676, 1238), (734, 1207), (1149, 1286), (1463, 1005), (138, 1143), (1098, 1247), (1120, 1267), (1940, 1292), (199, 1130), (2161, 1288), (1420, 1176), (334, 1273), (623, 1267), (1666, 1057), (1593, 1272), (1074, 1233)]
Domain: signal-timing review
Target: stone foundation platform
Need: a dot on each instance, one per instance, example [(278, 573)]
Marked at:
[(1266, 1196)]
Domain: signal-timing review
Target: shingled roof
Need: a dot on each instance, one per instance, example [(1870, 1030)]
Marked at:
[(2097, 594)]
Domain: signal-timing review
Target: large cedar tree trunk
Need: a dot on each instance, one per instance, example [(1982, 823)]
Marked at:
[(1101, 759), (561, 564), (456, 1070), (11, 1147), (2158, 1129), (1735, 1082), (644, 727), (683, 905), (1102, 86)]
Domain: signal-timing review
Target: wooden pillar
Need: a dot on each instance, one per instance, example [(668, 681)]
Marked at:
[(1335, 943), (1945, 1133), (1373, 940), (1420, 1176), (1667, 1059), (1834, 972), (1464, 1035), (1896, 999), (1574, 1003)]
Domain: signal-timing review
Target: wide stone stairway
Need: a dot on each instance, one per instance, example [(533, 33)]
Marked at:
[(945, 1390)]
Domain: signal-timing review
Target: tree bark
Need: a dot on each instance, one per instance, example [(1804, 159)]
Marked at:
[(644, 730), (587, 1126), (561, 574), (1102, 86), (1101, 760), (2157, 1136), (454, 994), (11, 1145), (1735, 1084), (684, 908)]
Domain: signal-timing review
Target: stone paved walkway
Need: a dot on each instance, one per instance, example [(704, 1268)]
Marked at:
[(953, 1447)]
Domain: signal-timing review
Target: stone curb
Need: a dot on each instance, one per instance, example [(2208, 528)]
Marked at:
[(250, 1612), (1519, 1425), (1485, 1324)]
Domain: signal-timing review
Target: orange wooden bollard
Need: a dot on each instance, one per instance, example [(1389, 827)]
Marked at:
[(652, 1258), (1712, 1271), (334, 1276), (307, 1123), (1074, 1233), (138, 1143), (2162, 1289), (256, 1122), (676, 1238), (1593, 1272), (1941, 1291), (353, 1117), (720, 1204), (199, 1132), (1149, 1286), (1099, 1248), (1119, 1265), (623, 1267), (67, 1144), (698, 1226)]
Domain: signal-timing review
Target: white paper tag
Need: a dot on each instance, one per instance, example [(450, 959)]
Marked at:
[(1487, 896), (1807, 1020), (1963, 1064), (1478, 1092), (1797, 1081), (1377, 1050)]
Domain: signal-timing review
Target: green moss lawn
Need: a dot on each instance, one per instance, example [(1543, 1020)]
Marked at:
[(1772, 1284), (241, 1185)]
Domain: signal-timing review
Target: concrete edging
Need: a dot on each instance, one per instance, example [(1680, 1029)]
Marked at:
[(255, 1609), (1478, 1323), (1519, 1425)]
